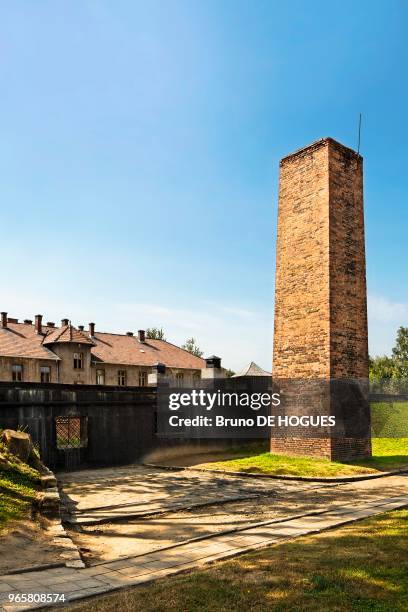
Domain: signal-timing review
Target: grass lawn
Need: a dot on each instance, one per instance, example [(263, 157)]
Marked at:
[(389, 419), (389, 453), (362, 566), (19, 485)]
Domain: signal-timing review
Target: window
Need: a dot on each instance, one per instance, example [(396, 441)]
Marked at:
[(45, 374), (17, 372), (100, 377), (78, 361), (179, 379), (196, 379), (142, 379), (122, 378)]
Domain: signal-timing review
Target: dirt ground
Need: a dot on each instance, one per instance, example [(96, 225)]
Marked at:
[(27, 544), (138, 536)]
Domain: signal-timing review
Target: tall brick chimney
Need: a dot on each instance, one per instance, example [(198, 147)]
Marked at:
[(141, 334), (91, 329), (3, 319), (38, 324), (320, 294)]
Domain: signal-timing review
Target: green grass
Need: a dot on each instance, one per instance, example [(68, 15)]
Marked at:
[(19, 485), (389, 420), (388, 454), (280, 465), (360, 567)]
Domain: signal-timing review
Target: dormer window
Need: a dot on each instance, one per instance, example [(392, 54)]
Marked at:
[(78, 361)]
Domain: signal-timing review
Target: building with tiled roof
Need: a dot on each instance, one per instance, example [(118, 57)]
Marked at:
[(34, 352)]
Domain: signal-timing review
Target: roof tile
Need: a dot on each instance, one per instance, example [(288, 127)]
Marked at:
[(67, 333), (21, 340)]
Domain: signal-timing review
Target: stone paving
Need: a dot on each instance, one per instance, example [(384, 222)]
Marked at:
[(109, 494), (79, 583)]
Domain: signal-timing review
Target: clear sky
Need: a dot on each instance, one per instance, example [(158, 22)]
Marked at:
[(139, 157)]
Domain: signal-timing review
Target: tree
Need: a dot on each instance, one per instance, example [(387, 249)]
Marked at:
[(155, 333), (229, 373), (400, 353), (192, 347), (390, 374), (381, 368)]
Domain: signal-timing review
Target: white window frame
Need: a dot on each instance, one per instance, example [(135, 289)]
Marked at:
[(17, 372), (100, 373), (122, 378), (78, 361)]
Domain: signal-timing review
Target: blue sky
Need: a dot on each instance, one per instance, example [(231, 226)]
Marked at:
[(139, 157)]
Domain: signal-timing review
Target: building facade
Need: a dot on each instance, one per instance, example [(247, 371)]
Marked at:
[(33, 352)]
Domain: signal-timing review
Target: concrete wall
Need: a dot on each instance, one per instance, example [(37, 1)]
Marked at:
[(64, 372), (31, 368), (132, 374), (118, 424), (67, 374)]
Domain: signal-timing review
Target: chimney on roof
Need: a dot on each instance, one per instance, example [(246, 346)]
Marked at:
[(64, 322), (38, 324), (213, 368), (157, 376), (50, 324), (141, 334), (28, 321), (129, 333), (81, 327), (92, 329), (213, 362), (4, 319)]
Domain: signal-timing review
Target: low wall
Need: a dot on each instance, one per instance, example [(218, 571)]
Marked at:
[(117, 423)]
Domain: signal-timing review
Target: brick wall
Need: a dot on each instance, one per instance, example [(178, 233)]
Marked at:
[(320, 296), (301, 335)]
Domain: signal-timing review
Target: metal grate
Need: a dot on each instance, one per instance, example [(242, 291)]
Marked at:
[(68, 431)]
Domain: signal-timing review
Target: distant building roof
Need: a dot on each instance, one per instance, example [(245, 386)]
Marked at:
[(21, 340), (252, 369), (116, 348)]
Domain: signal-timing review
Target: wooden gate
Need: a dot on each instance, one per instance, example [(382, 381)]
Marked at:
[(71, 436)]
